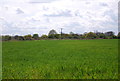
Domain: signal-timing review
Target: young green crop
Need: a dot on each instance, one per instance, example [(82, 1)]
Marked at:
[(60, 59)]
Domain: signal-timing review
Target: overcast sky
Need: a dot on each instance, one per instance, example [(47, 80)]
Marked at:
[(21, 17)]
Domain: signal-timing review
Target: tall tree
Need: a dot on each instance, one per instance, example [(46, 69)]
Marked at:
[(52, 34), (36, 36), (16, 37), (28, 37), (90, 35), (71, 33), (110, 34), (102, 36), (44, 37), (21, 38)]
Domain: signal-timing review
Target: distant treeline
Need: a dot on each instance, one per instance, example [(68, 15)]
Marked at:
[(53, 35)]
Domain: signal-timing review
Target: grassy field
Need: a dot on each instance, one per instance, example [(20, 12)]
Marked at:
[(60, 59)]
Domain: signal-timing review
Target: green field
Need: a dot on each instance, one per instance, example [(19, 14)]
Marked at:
[(60, 59)]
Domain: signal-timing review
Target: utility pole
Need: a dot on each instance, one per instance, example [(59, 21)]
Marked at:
[(61, 33)]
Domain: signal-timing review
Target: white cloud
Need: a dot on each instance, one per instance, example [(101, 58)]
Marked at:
[(19, 11), (78, 16), (41, 1)]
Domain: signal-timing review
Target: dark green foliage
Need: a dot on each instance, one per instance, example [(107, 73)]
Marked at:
[(110, 33), (66, 36), (75, 36), (57, 36), (6, 38), (44, 37), (21, 38), (28, 37), (91, 35), (16, 37), (70, 37), (36, 36), (71, 33), (53, 35), (52, 32), (102, 36)]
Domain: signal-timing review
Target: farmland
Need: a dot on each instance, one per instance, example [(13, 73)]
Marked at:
[(60, 59)]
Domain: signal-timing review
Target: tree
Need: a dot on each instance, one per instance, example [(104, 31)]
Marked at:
[(21, 38), (65, 36), (71, 33), (102, 36), (114, 37), (81, 36), (90, 35), (52, 32), (28, 37), (109, 33), (75, 36), (57, 36), (6, 38), (16, 37), (36, 36), (44, 37), (51, 36), (99, 34)]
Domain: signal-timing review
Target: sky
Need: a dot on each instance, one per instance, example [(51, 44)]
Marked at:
[(22, 17)]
